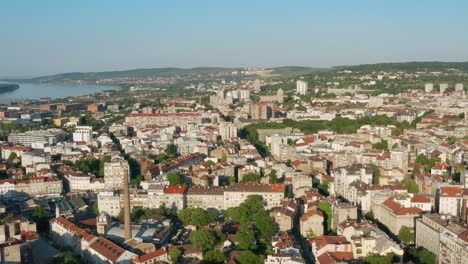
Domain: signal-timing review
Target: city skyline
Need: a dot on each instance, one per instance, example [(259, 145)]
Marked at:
[(52, 37)]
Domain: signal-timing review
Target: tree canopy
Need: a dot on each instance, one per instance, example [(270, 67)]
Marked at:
[(197, 216), (248, 257), (175, 179), (419, 255), (251, 177), (327, 215), (175, 255), (203, 239), (406, 235), (214, 256), (410, 185)]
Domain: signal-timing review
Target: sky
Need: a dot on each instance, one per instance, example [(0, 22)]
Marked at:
[(42, 37)]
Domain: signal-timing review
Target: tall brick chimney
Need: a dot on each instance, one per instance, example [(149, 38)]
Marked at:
[(127, 220)]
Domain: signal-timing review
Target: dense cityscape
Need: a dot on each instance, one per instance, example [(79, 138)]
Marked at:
[(352, 164)]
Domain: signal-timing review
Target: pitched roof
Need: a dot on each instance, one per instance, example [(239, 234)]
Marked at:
[(418, 198), (180, 189), (322, 241), (107, 249), (399, 210), (311, 213), (449, 191), (151, 255)]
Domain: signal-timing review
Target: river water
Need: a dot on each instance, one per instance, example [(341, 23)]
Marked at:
[(37, 91)]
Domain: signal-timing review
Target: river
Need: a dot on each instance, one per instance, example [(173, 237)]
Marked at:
[(36, 91)]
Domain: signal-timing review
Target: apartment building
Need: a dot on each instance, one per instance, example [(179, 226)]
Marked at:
[(114, 174), (444, 236), (51, 136)]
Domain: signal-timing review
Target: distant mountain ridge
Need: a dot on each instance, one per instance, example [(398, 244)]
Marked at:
[(92, 77), (411, 66), (136, 73)]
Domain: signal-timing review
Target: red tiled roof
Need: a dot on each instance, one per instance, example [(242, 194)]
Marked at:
[(180, 189), (311, 213), (107, 249), (450, 191), (399, 210), (323, 241), (150, 256), (420, 199)]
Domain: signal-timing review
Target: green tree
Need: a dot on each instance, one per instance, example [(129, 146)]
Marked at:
[(196, 216), (375, 174), (40, 217), (382, 145), (171, 150), (248, 257), (214, 256), (101, 165), (175, 255), (95, 209), (377, 259), (406, 235), (135, 182), (134, 167), (451, 140), (203, 239), (224, 158), (264, 224), (273, 177), (66, 257), (323, 187), (245, 236), (251, 177), (410, 185), (11, 157), (419, 255), (327, 215), (310, 234), (174, 179)]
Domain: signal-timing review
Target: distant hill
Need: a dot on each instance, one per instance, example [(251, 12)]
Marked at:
[(295, 70), (91, 77), (288, 71), (407, 66)]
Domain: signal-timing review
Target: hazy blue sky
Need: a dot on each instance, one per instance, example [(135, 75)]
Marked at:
[(43, 36)]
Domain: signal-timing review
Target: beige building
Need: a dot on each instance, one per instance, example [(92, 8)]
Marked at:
[(13, 228), (399, 158), (92, 248), (311, 223), (114, 173), (444, 236), (341, 212), (110, 203), (395, 216), (284, 217), (205, 197), (272, 194), (261, 110), (227, 131), (367, 239), (77, 181)]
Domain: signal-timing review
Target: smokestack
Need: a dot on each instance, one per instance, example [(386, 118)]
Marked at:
[(127, 220)]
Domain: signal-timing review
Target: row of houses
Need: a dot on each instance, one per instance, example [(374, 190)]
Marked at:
[(50, 186), (179, 197)]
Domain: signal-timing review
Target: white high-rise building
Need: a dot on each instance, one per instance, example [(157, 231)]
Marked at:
[(83, 134), (114, 174), (227, 131), (443, 87), (301, 87), (428, 87), (459, 87)]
